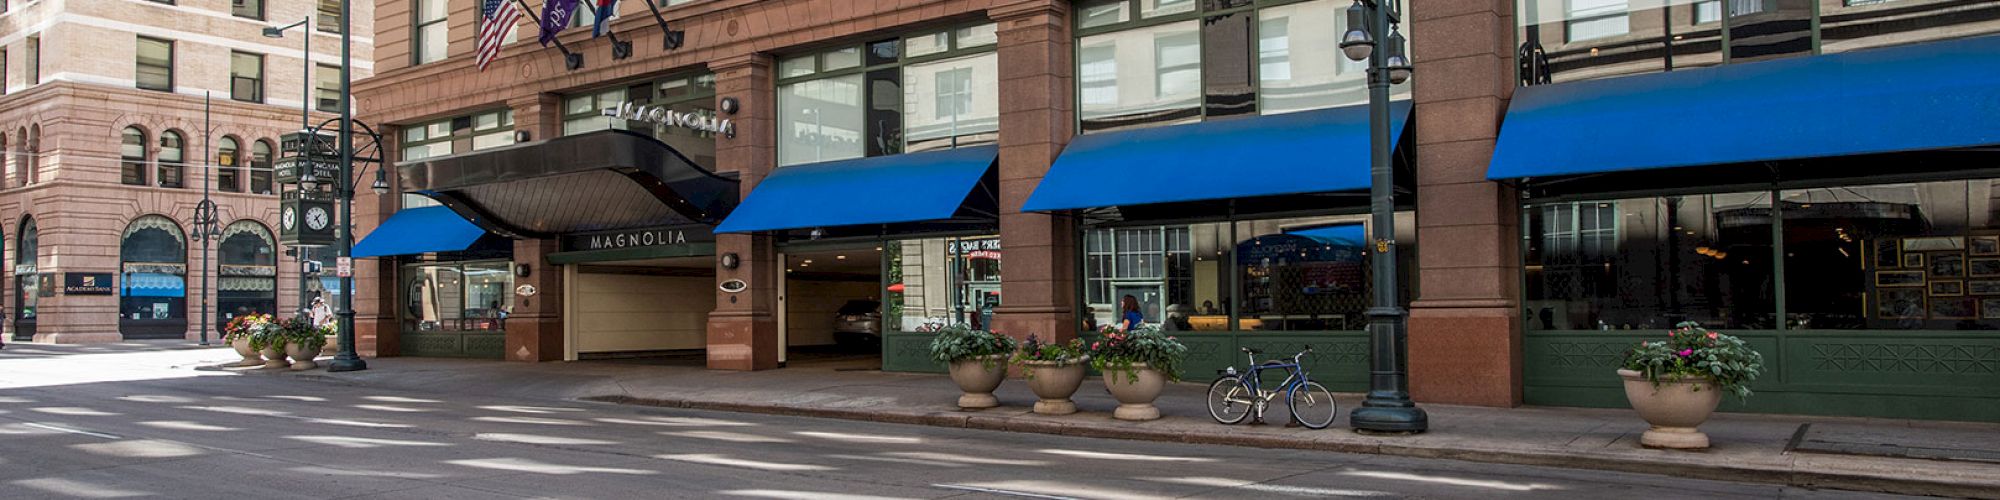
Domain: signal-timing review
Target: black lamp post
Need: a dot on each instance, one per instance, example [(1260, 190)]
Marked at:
[(305, 122), (1387, 407)]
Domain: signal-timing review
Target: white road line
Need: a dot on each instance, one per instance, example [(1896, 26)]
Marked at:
[(998, 491), (69, 430)]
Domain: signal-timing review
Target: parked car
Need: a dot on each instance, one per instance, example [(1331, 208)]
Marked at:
[(858, 323)]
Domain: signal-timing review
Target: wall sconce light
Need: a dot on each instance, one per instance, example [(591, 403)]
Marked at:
[(522, 136), (522, 270), (730, 105), (730, 260)]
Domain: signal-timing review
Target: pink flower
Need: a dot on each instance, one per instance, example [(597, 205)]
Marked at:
[(1711, 335), (1093, 345), (1686, 352)]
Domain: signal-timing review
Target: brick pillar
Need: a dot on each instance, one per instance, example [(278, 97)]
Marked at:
[(377, 330), (535, 327), (1038, 284), (743, 330), (1465, 328)]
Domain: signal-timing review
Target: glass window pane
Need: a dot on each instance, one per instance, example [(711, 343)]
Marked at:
[(1291, 77), (840, 59), (1157, 8), (579, 105), (1584, 39), (1650, 263), (795, 66), (976, 36), (1104, 13), (820, 120), (951, 103), (1769, 29), (1229, 86), (1176, 276), (431, 10), (431, 42), (943, 281), (1313, 273), (924, 45), (1862, 24), (1140, 77), (1895, 256)]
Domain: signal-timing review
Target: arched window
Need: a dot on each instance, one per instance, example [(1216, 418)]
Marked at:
[(173, 154), (132, 157), (7, 164), (260, 167), (34, 154), (20, 154), (27, 281), (228, 172), (249, 282), (153, 292)]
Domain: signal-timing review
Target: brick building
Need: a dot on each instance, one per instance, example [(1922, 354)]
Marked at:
[(795, 166), (115, 115)]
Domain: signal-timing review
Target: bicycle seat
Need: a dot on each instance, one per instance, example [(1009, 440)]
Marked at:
[(1252, 350)]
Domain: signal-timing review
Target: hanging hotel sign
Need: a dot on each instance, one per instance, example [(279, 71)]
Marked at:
[(636, 238), (660, 115), (88, 284)]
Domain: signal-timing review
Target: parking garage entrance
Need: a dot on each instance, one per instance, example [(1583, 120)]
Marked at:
[(830, 303)]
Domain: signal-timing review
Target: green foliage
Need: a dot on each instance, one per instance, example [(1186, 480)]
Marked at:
[(275, 334), (1034, 350), (1691, 351), (244, 326), (958, 342), (1116, 352)]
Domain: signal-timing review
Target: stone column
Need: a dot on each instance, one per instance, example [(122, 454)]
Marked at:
[(377, 330), (1038, 278), (535, 327), (1465, 327), (743, 330)]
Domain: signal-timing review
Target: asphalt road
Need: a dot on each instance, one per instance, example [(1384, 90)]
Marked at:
[(139, 421)]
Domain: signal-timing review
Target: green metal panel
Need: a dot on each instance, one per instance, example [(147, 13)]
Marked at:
[(482, 345), (1339, 360), (1884, 373), (908, 352)]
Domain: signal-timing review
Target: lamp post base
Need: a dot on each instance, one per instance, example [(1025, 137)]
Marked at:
[(346, 363), (1389, 419)]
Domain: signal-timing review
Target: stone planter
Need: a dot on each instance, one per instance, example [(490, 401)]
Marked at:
[(274, 357), (302, 358), (250, 356), (978, 377), (1054, 382), (1675, 408), (1135, 397)]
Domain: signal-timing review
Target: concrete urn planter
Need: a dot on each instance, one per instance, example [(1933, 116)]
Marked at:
[(302, 358), (250, 356), (274, 357), (1135, 391), (978, 377), (1675, 408), (1054, 382)]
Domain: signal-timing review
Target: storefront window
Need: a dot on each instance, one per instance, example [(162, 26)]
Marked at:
[(929, 90), (458, 296), (1893, 256), (1310, 274), (27, 293), (1650, 263), (938, 282), (249, 279), (1177, 275), (463, 134), (153, 291)]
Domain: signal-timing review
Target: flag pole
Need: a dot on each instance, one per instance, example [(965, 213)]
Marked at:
[(671, 38), (620, 49), (571, 60)]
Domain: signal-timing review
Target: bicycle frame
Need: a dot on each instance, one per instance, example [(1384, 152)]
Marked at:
[(1253, 380)]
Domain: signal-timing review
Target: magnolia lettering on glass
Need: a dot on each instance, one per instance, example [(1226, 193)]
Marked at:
[(660, 115)]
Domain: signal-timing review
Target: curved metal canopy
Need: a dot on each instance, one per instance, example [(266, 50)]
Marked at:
[(598, 181)]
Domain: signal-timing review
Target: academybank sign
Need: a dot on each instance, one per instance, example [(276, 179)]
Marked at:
[(660, 115)]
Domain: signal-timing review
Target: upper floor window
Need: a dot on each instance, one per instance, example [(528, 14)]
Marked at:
[(929, 90), (246, 77), (34, 62), (173, 151), (458, 135), (228, 165), (1594, 19), (132, 156), (329, 16), (1161, 62), (687, 94), (260, 166), (432, 35), (326, 88), (253, 9), (155, 64)]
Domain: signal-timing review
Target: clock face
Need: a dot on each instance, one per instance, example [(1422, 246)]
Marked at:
[(290, 218), (317, 218)]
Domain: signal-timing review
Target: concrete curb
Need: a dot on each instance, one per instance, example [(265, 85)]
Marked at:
[(1904, 484)]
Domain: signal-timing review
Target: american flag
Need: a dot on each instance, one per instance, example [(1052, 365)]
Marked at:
[(500, 16)]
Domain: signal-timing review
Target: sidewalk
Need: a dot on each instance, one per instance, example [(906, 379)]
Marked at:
[(1751, 448)]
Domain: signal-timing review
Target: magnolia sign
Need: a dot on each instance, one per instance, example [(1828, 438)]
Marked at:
[(652, 237), (660, 115)]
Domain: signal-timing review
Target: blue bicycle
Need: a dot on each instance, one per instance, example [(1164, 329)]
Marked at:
[(1239, 395)]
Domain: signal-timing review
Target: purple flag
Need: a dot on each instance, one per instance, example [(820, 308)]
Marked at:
[(555, 17)]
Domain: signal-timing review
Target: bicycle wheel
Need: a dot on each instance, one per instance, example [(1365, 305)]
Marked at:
[(1313, 406), (1228, 400)]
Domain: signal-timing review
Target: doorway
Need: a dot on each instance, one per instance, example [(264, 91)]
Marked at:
[(830, 307), (652, 311)]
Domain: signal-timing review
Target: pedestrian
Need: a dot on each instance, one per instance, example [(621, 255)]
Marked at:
[(321, 314), (1131, 318)]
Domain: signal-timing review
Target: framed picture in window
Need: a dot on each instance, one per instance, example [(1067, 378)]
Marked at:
[(1933, 244), (1982, 287), (1989, 309), (1954, 308), (1913, 261), (1947, 288), (1983, 245), (1886, 255), (1947, 265), (1899, 278), (1983, 266), (1899, 303)]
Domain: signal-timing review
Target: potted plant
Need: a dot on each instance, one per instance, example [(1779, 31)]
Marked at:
[(270, 341), (1054, 372), (237, 334), (1136, 366), (977, 361), (302, 344), (1676, 383)]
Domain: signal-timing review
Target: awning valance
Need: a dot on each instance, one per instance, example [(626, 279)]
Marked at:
[(1929, 96), (1315, 151), (419, 230), (597, 181), (905, 188)]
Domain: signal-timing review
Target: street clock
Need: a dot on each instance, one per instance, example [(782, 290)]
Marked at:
[(305, 223)]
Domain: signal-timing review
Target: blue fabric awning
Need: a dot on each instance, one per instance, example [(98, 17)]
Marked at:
[(155, 285), (1928, 96), (1315, 151), (911, 187), (419, 230)]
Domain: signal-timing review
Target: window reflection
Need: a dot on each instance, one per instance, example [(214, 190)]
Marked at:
[(1650, 263), (1177, 275), (1896, 256), (938, 282), (463, 296), (1140, 76)]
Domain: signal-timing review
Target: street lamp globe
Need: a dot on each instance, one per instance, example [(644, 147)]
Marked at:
[(1398, 62), (381, 185), (1357, 44)]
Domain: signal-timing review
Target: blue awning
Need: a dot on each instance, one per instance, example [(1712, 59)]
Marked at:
[(155, 285), (1315, 151), (893, 189), (419, 230), (1928, 96)]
